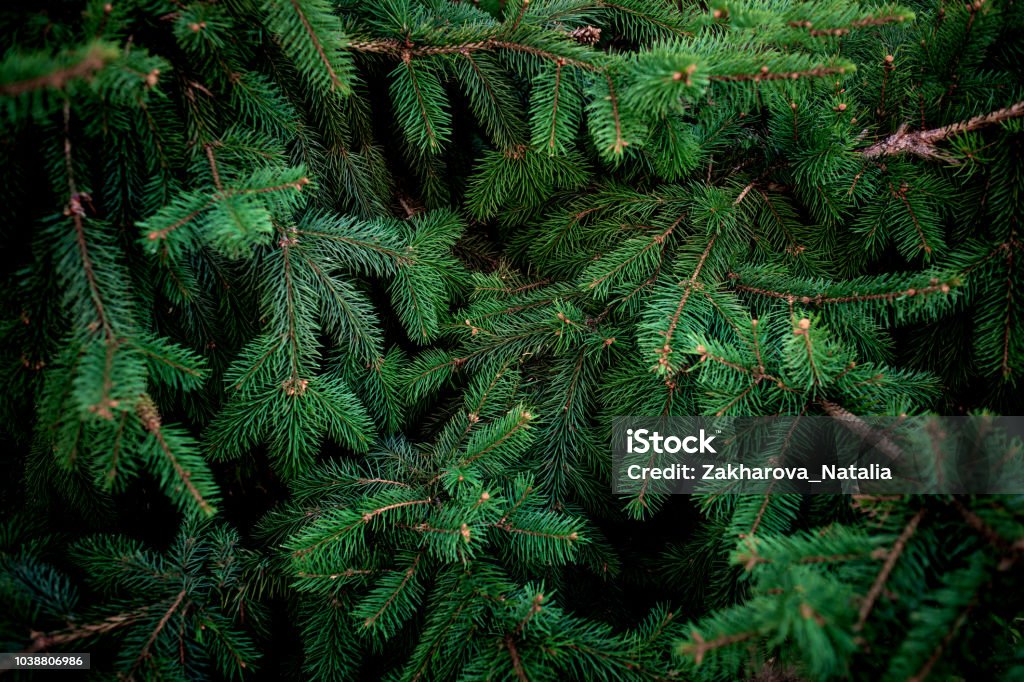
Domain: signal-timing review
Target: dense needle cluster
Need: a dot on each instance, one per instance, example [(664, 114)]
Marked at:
[(318, 312)]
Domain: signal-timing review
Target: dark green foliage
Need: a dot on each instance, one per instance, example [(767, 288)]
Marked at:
[(319, 312)]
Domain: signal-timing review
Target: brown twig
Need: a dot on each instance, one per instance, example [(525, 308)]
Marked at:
[(887, 567), (923, 142), (93, 61)]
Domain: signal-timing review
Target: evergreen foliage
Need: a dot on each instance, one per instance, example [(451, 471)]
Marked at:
[(319, 312)]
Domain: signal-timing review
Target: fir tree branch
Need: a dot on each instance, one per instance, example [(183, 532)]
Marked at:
[(645, 16), (890, 563), (116, 449), (961, 618), (876, 439), (162, 233), (866, 22), (689, 286), (521, 423), (371, 481), (77, 212), (347, 573), (151, 422), (431, 134), (552, 133), (297, 388), (766, 75), (399, 258), (409, 572), (163, 359), (439, 640), (94, 59), (208, 148), (405, 51), (923, 143), (820, 299), (369, 516), (757, 375), (517, 663), (564, 537), (620, 142), (156, 631), (515, 507), (474, 415), (901, 194), (535, 608), (1005, 546), (700, 647), (656, 240), (336, 83), (44, 641)]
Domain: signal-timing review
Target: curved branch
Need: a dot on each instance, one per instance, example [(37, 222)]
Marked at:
[(922, 142)]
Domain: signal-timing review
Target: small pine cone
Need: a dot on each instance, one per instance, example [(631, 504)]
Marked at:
[(585, 35)]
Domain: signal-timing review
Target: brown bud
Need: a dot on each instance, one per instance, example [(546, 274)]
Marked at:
[(804, 323)]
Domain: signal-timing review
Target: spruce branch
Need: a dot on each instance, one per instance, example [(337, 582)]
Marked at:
[(923, 143), (947, 638), (406, 52), (1011, 549), (767, 75), (866, 22), (161, 624), (45, 641), (77, 212), (162, 233), (887, 568), (95, 58), (517, 663), (700, 647), (149, 415), (689, 286), (406, 577), (821, 299), (336, 82), (860, 428)]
